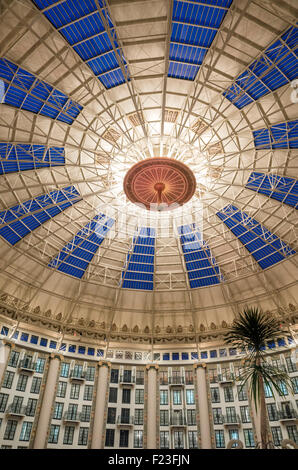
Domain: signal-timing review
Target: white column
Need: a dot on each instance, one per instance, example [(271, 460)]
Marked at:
[(203, 406), (98, 423), (47, 401), (4, 355), (151, 405)]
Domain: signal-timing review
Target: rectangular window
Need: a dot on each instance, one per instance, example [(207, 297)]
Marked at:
[(123, 441), (68, 435), (164, 417), (111, 419), (75, 391), (13, 358), (178, 440), (164, 439), (36, 384), (139, 397), (138, 439), (233, 434), (83, 436), (212, 374), (248, 438), (114, 376), (40, 363), (61, 389), (10, 429), (113, 393), (22, 382), (272, 412), (86, 413), (72, 412), (283, 387), (17, 404), (26, 431), (242, 393), (110, 437), (139, 416), (3, 401), (217, 415), (139, 377), (294, 381), (292, 433), (126, 395), (8, 379), (164, 400), (276, 435), (163, 377), (177, 399), (188, 377), (90, 374), (245, 414), (219, 439), (88, 392), (231, 414), (191, 417), (125, 415), (58, 410), (291, 366), (31, 407), (190, 397), (193, 439), (215, 397), (64, 369), (228, 394)]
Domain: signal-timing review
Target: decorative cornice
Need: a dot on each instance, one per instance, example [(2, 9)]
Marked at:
[(56, 356), (153, 366)]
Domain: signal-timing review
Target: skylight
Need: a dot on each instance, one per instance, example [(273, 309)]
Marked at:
[(22, 157), (281, 188)]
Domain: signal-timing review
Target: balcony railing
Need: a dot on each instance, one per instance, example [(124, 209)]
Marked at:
[(176, 380), (287, 415), (178, 421), (16, 410), (226, 378), (27, 364), (74, 417), (77, 375), (125, 420), (127, 380), (231, 419)]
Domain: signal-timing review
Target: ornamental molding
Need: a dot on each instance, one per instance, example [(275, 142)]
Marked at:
[(203, 365), (152, 366), (104, 364)]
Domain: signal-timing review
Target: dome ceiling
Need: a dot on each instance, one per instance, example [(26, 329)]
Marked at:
[(88, 91)]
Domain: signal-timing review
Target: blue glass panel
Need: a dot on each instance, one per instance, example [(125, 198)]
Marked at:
[(265, 247), (53, 344), (277, 66), (281, 342), (271, 344), (138, 270), (232, 351), (201, 266), (80, 23), (91, 351), (24, 337), (204, 355), (166, 357), (4, 330), (213, 353), (25, 91), (82, 350), (100, 353), (185, 356), (43, 342), (193, 30), (15, 335), (194, 355), (62, 347), (17, 229), (75, 257), (72, 348), (34, 339), (175, 356)]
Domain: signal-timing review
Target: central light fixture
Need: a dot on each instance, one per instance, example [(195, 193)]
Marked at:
[(159, 183)]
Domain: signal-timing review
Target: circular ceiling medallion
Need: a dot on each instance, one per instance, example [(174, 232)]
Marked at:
[(159, 183)]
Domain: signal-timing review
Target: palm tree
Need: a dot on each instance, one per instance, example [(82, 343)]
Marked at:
[(249, 331)]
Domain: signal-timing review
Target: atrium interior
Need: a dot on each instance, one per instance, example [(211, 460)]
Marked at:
[(148, 194)]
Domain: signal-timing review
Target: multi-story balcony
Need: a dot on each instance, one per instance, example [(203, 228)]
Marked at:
[(127, 380), (225, 378), (231, 420), (125, 420), (27, 364), (71, 416), (77, 375), (176, 380), (16, 410), (178, 420)]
